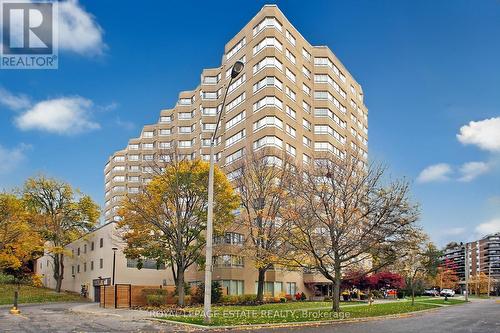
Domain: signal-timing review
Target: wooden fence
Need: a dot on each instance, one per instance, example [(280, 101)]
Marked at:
[(127, 295)]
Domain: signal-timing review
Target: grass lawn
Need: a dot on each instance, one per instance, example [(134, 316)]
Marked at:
[(29, 294), (292, 312)]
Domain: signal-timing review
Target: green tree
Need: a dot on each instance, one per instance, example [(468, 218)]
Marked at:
[(167, 220), (60, 214)]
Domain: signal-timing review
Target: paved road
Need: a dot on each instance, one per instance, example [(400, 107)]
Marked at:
[(476, 317), (56, 318)]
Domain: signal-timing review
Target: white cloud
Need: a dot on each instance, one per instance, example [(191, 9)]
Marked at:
[(454, 231), (471, 170), (11, 158), (78, 30), (485, 134), (436, 172), (489, 227), (125, 124), (12, 101), (66, 115)]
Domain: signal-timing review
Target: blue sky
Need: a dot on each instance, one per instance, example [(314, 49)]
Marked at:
[(428, 69)]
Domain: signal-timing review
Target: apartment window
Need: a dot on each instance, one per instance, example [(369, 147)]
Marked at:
[(133, 190), (235, 138), (307, 124), (91, 265), (133, 179), (85, 248), (148, 146), (186, 129), (208, 127), (291, 131), (119, 159), (306, 107), (185, 115), (186, 101), (268, 141), (291, 150), (237, 83), (290, 93), (166, 119), (306, 89), (185, 144), (133, 157), (268, 101), (325, 95), (84, 266), (234, 156), (290, 112), (290, 75), (148, 134), (233, 287), (92, 246), (290, 56), (101, 263), (325, 112), (267, 121), (306, 141), (291, 288), (306, 158), (165, 131), (290, 37), (119, 168), (210, 79), (147, 157), (306, 72), (268, 22), (78, 268), (133, 147), (232, 238), (119, 178), (206, 111), (101, 242), (164, 145), (78, 252), (145, 263), (267, 62), (235, 102), (235, 48), (267, 42), (228, 260), (306, 54), (235, 120), (72, 269), (209, 95), (269, 81), (117, 189)]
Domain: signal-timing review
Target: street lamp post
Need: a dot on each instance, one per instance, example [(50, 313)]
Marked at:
[(236, 70), (114, 262)]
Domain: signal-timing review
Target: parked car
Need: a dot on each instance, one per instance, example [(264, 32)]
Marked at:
[(447, 292), (431, 292)]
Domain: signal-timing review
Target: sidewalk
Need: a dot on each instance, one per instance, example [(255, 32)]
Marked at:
[(95, 309)]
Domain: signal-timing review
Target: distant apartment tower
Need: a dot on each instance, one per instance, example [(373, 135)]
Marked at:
[(483, 256), (291, 97)]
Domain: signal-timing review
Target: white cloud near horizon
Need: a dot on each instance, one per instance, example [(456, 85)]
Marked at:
[(11, 158), (79, 31), (489, 227), (13, 101), (484, 133), (65, 116), (471, 170), (436, 172)]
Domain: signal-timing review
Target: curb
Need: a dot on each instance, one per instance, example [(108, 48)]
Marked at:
[(296, 324), (21, 305)]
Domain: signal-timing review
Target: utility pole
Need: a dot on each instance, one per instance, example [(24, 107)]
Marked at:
[(466, 273), (489, 279)]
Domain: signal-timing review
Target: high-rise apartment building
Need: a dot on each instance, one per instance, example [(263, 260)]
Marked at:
[(292, 98)]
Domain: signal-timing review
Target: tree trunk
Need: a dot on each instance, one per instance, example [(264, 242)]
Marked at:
[(58, 271), (336, 291), (180, 286), (260, 284), (413, 293)]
